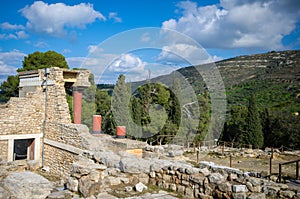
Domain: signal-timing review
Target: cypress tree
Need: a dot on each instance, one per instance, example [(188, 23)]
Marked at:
[(254, 133)]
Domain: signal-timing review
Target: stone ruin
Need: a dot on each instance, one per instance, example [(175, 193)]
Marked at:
[(36, 132)]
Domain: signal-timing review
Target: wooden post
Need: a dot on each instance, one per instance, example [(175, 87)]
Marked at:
[(271, 161), (223, 146), (297, 170), (279, 175), (198, 152), (230, 161)]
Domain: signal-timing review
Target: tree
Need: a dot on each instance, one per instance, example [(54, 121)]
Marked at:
[(120, 102), (254, 133), (204, 118), (34, 61), (9, 88), (38, 60), (234, 127)]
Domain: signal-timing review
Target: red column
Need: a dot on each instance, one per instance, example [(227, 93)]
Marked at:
[(77, 106), (121, 131), (97, 120)]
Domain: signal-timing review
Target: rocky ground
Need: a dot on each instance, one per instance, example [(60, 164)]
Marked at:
[(167, 172)]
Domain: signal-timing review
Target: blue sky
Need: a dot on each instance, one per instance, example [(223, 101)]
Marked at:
[(80, 29)]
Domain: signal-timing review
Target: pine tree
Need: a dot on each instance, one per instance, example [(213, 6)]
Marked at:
[(254, 133)]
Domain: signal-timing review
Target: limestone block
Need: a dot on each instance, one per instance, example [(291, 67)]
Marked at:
[(257, 196), (28, 185), (205, 171), (197, 178), (4, 194), (114, 180), (60, 195), (239, 196), (88, 187), (286, 194), (239, 188), (189, 192), (225, 187), (72, 184), (216, 178), (203, 196), (139, 187)]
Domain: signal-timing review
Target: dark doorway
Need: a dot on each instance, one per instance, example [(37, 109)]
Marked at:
[(24, 149)]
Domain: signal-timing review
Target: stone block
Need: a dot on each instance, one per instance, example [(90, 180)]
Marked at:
[(139, 187), (239, 188), (216, 178), (72, 184), (286, 194), (27, 185), (257, 196), (225, 187), (239, 196)]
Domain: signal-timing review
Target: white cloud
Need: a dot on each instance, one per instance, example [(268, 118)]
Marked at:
[(145, 37), (186, 54), (54, 19), (22, 34), (8, 26), (93, 49), (41, 44), (235, 24), (17, 35), (66, 50), (10, 62), (127, 63), (114, 16)]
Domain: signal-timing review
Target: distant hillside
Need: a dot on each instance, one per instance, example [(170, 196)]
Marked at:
[(274, 77)]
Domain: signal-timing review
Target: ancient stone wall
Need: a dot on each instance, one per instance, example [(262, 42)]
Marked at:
[(107, 170), (59, 161), (23, 118), (3, 149)]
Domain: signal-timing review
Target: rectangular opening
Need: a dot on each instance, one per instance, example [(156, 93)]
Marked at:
[(23, 149)]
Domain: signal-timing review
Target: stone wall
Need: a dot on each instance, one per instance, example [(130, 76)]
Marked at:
[(208, 180), (23, 117), (59, 161), (66, 133), (3, 149)]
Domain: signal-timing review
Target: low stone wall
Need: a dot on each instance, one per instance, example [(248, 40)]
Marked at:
[(59, 161), (206, 181), (217, 182)]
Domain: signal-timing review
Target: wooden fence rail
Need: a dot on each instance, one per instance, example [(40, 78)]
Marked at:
[(285, 163)]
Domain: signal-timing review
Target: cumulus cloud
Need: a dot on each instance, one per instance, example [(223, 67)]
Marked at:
[(94, 49), (8, 26), (237, 24), (186, 54), (54, 19), (127, 63), (17, 35), (10, 61), (114, 16)]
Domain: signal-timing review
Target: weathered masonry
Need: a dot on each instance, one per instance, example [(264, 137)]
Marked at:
[(37, 125)]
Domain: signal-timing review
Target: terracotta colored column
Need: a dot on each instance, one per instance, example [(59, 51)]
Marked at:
[(97, 120), (77, 106), (121, 131)]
